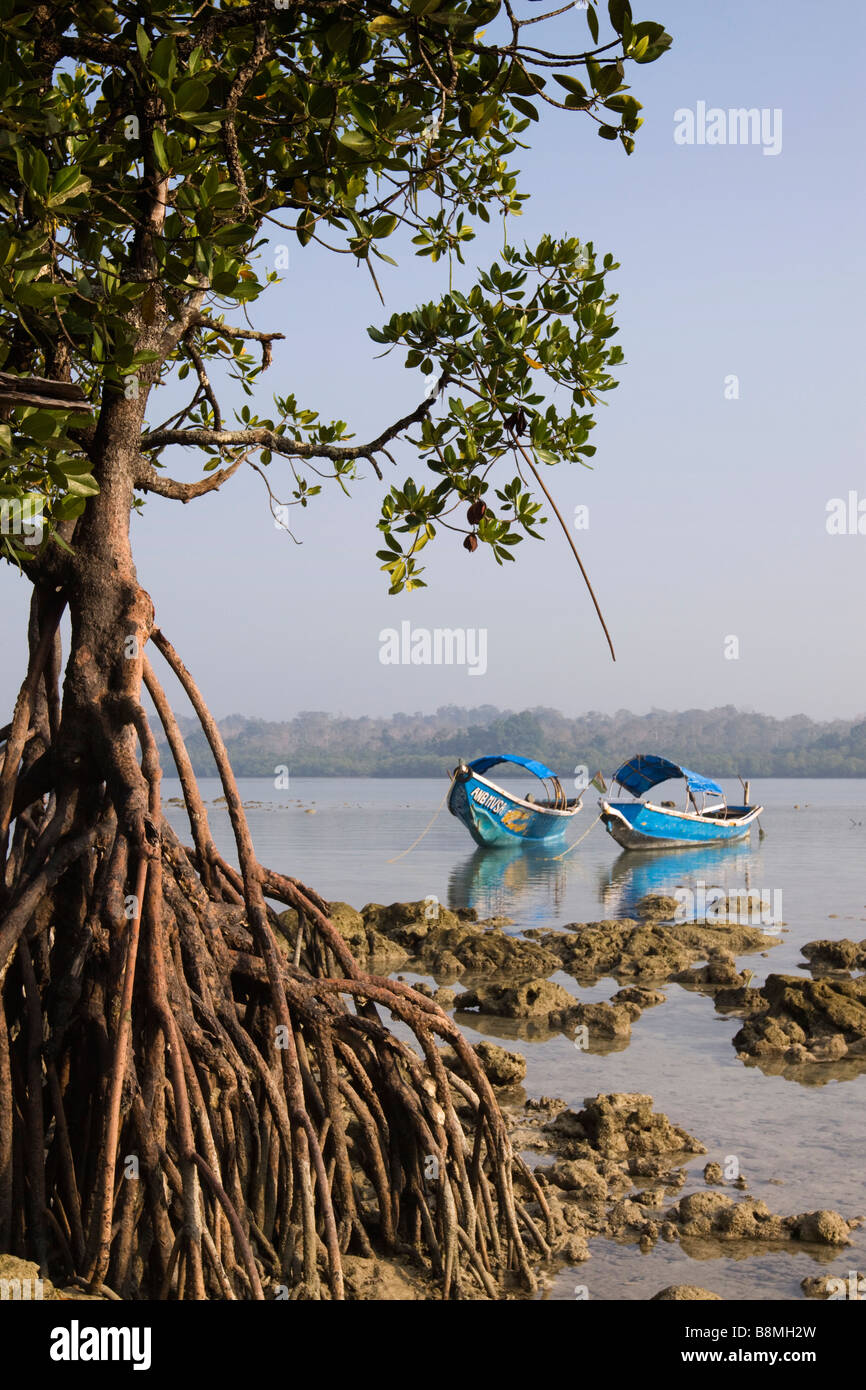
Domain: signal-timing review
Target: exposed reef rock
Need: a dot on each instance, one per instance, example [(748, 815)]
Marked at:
[(676, 1292), (646, 951), (803, 1020), (835, 955)]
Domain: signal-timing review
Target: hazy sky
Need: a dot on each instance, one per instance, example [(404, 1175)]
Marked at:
[(707, 515)]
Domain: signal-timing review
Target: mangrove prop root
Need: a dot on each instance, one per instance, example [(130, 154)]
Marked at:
[(188, 1111)]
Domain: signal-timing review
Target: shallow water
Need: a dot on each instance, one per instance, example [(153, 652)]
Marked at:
[(801, 1144)]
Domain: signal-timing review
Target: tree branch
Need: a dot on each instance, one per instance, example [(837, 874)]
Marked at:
[(205, 382), (280, 444), (238, 87), (251, 334), (150, 479)]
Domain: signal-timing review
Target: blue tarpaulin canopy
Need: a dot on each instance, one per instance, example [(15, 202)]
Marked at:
[(646, 770), (482, 764)]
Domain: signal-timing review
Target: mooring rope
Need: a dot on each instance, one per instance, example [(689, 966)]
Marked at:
[(404, 852), (579, 838)]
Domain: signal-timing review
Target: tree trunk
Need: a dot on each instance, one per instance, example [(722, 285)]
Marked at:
[(185, 1111)]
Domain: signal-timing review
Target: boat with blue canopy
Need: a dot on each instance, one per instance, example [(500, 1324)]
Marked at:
[(497, 817), (651, 825)]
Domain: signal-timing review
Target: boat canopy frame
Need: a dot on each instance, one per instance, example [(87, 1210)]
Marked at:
[(641, 773), (544, 774)]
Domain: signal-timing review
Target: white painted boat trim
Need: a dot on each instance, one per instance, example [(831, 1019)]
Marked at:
[(693, 816), (529, 805)]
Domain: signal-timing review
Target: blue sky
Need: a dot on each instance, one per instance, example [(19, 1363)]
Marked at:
[(707, 515)]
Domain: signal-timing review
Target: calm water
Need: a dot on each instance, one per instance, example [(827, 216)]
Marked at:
[(801, 1146)]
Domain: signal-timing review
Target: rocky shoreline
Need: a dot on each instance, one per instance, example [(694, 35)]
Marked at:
[(615, 1169), (795, 1020)]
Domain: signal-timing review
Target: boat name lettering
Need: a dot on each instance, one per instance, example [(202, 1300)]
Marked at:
[(486, 799)]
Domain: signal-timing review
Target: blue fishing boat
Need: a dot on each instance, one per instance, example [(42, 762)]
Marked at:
[(494, 816), (660, 825)]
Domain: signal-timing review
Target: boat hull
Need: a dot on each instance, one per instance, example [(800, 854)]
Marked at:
[(496, 818), (641, 826)]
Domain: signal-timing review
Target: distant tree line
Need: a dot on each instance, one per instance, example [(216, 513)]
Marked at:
[(723, 742)]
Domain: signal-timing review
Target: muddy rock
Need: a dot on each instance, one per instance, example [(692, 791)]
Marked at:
[(656, 1166), (408, 923), (548, 1003), (713, 1214), (383, 954), (647, 951), (620, 1126), (839, 1286), (445, 997), (573, 1216), (379, 1280), (713, 1175), (836, 955), (447, 966), (626, 1216), (502, 1068), (651, 1198), (643, 998), (657, 906), (573, 1249), (451, 943), (576, 1175), (364, 942), (536, 998), (816, 1020), (719, 972), (546, 1104), (20, 1279), (677, 1292), (349, 923), (421, 988), (822, 1228), (489, 952)]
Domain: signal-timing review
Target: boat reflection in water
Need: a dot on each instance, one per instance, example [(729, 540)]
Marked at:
[(632, 877), (527, 883)]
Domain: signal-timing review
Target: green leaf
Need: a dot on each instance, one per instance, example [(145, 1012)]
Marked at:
[(384, 226), (39, 173), (83, 485), (164, 59), (159, 149), (623, 102), (74, 467), (525, 107), (142, 43), (619, 11), (357, 143), (67, 183), (66, 509), (386, 24), (225, 282), (483, 114), (609, 78), (190, 97), (572, 85)]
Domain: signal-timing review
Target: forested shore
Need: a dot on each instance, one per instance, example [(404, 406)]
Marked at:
[(725, 742)]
